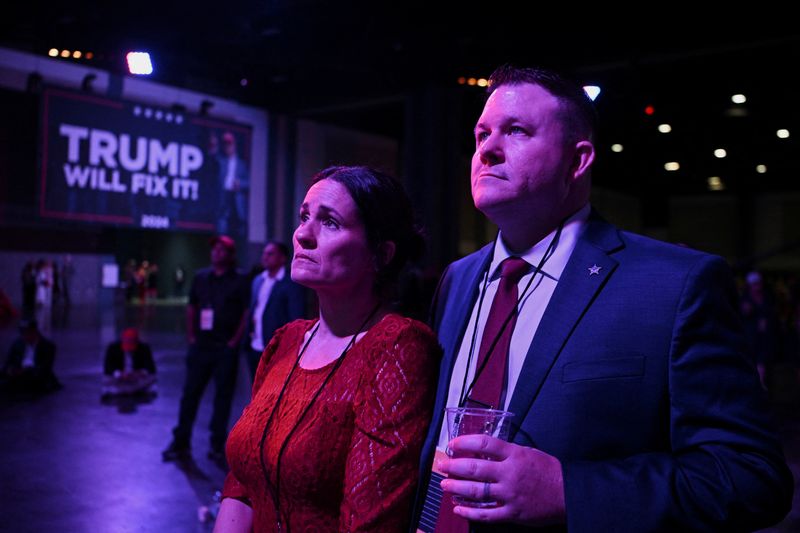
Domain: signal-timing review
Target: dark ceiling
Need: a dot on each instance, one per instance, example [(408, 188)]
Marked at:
[(350, 63)]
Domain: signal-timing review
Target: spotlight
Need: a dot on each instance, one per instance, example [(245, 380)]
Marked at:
[(86, 84), (205, 106), (139, 63), (592, 91)]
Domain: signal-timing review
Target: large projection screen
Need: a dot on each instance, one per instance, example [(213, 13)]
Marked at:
[(130, 164)]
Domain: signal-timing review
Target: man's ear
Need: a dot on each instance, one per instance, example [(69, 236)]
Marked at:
[(582, 159), (385, 253)]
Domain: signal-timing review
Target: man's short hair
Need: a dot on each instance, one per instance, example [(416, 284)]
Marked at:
[(578, 116)]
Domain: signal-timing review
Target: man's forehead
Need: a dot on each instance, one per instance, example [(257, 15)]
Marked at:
[(521, 102), (519, 93)]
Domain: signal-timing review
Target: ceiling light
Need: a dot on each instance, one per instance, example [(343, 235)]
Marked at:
[(782, 133), (738, 98), (616, 148), (720, 153), (672, 166), (715, 184), (664, 128), (53, 52), (139, 63), (592, 91), (761, 169)]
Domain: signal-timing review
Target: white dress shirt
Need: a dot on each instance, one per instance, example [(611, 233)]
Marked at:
[(230, 173), (531, 307), (257, 342)]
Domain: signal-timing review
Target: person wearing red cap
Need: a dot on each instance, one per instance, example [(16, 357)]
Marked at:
[(128, 366), (216, 319)]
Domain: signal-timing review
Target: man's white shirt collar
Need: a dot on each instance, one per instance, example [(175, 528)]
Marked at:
[(279, 276), (555, 264)]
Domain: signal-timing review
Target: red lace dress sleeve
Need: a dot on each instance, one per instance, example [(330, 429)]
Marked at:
[(232, 487), (393, 406)]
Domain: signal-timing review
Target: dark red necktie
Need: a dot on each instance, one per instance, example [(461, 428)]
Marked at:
[(488, 388), (492, 365)]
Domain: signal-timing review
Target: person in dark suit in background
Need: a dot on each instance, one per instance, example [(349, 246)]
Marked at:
[(128, 366), (29, 365), (275, 300), (637, 406)]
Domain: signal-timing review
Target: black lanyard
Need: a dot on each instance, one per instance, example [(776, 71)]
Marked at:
[(466, 390), (276, 491)]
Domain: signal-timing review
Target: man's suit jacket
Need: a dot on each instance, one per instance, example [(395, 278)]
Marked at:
[(638, 381), (287, 302), (242, 175), (115, 358)]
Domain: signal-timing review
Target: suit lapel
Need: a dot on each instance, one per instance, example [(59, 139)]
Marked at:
[(256, 289), (463, 294), (575, 292), (459, 299)]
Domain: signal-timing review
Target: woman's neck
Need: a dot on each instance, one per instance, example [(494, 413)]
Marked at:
[(342, 321), (345, 316)]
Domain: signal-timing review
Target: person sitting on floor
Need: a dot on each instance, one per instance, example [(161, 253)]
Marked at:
[(128, 367), (29, 365)]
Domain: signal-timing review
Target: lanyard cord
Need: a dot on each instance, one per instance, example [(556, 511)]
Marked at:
[(551, 249), (337, 364)]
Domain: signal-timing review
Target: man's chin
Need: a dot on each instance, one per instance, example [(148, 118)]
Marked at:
[(491, 204)]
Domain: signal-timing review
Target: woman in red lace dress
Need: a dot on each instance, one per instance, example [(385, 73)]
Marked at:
[(340, 405)]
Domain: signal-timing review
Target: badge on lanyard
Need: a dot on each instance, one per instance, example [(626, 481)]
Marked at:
[(207, 319)]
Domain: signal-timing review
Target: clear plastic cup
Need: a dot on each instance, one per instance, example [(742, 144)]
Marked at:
[(472, 421)]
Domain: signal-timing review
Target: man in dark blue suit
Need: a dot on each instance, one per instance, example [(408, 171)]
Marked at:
[(275, 300), (637, 407)]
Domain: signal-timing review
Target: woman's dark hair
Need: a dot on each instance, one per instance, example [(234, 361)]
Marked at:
[(385, 210)]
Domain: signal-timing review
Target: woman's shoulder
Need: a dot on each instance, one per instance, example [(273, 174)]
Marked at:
[(396, 324), (401, 346), (291, 330), (301, 324), (395, 332)]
